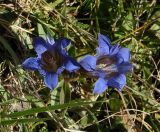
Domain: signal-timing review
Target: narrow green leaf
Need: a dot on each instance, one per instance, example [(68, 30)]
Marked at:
[(41, 31), (49, 108)]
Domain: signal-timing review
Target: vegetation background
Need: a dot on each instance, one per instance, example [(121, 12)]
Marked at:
[(26, 105)]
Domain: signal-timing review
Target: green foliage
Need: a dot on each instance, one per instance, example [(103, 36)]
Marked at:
[(27, 105)]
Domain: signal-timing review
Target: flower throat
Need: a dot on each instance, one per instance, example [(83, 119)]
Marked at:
[(51, 60), (107, 65)]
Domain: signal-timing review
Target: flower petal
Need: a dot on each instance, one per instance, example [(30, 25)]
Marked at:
[(40, 46), (51, 80), (60, 70), (100, 86), (104, 45), (62, 43), (71, 64), (31, 64), (124, 67), (114, 49), (102, 51), (103, 40), (88, 62), (124, 53), (118, 81), (50, 40), (42, 71)]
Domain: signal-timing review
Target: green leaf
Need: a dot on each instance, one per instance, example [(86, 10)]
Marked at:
[(41, 31), (49, 108)]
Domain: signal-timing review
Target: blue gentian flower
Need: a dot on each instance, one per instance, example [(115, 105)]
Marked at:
[(51, 60), (109, 65)]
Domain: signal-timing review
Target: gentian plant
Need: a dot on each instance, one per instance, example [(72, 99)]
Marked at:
[(109, 65), (52, 59)]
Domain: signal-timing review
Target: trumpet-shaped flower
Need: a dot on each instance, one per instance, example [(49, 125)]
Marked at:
[(51, 60), (109, 65)]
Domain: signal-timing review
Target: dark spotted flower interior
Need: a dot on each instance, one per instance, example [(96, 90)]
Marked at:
[(51, 60), (106, 65)]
